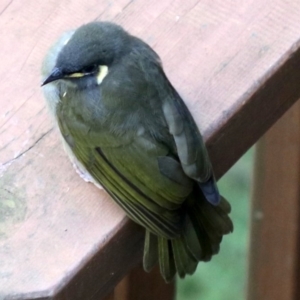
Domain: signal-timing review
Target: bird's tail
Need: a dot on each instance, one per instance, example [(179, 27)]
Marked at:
[(203, 229)]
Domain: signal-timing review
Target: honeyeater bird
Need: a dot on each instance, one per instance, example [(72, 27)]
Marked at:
[(126, 129)]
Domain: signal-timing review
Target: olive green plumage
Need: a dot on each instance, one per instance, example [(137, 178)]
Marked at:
[(124, 124)]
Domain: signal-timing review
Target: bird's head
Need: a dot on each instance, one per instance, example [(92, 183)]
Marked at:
[(89, 53)]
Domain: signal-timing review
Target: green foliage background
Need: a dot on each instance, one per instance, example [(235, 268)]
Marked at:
[(224, 278)]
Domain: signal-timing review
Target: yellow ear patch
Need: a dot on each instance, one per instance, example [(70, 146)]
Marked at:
[(103, 71)]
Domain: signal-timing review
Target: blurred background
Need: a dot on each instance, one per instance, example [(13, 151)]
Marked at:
[(225, 277)]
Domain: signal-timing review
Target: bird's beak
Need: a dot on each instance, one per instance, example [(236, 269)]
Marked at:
[(55, 75)]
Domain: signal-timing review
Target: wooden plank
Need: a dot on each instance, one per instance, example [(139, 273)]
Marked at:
[(235, 64), (140, 285), (110, 297), (275, 222)]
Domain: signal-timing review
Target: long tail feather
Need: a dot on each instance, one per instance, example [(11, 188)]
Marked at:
[(204, 226), (166, 259), (184, 261), (150, 251)]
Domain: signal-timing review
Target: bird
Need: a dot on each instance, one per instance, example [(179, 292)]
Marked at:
[(126, 129)]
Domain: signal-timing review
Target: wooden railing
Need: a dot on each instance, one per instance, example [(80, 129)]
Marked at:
[(236, 64)]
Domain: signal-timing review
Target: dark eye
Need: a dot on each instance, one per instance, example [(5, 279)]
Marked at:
[(90, 69)]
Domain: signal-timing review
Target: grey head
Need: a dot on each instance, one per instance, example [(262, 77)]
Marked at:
[(91, 46)]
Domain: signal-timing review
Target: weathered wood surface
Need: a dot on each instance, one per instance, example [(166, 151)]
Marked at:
[(139, 285), (275, 219), (235, 63)]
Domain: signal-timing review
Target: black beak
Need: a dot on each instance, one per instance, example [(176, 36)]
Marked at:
[(55, 75)]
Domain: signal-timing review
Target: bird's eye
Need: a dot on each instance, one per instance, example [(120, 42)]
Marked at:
[(90, 69)]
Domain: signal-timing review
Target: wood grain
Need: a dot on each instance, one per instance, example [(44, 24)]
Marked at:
[(139, 285), (275, 219), (236, 64)]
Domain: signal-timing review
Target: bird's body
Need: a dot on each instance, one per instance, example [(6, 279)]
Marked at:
[(126, 126)]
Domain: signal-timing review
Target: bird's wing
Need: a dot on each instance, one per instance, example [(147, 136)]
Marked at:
[(138, 173), (189, 145)]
